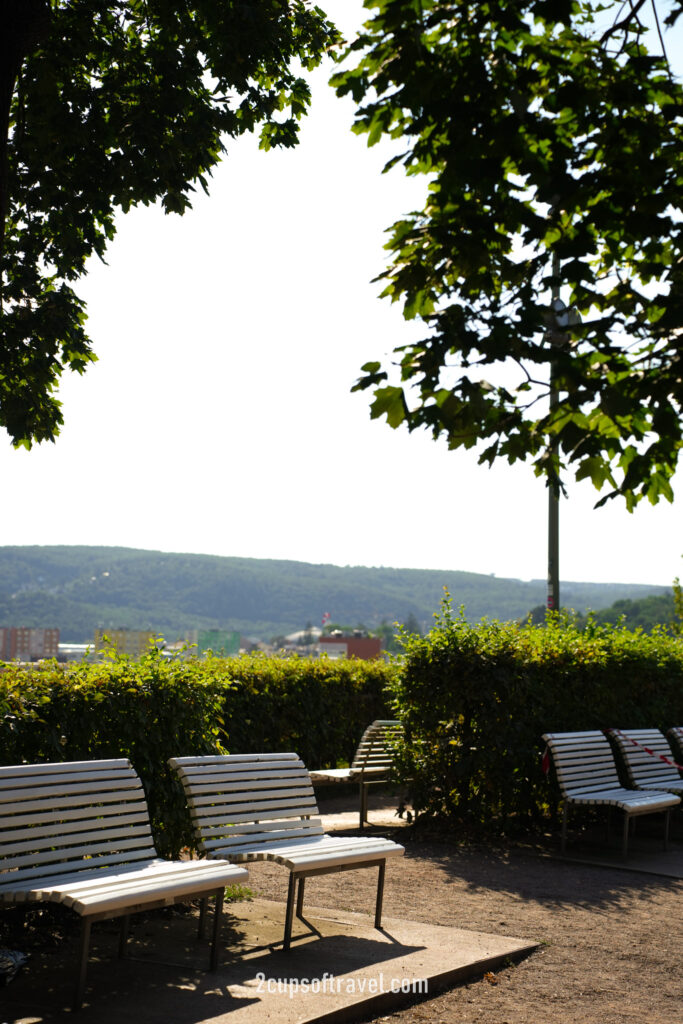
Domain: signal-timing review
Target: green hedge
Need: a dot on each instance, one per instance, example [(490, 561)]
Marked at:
[(315, 706), (476, 699), (153, 709)]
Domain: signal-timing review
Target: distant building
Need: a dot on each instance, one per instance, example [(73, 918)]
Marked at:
[(133, 642), (74, 652), (222, 642), (337, 645), (25, 643)]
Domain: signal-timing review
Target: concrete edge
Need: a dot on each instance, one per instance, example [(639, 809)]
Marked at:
[(437, 983)]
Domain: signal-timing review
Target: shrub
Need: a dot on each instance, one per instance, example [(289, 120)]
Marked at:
[(476, 699), (316, 707)]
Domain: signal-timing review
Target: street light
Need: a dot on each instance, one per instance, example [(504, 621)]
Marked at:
[(562, 317)]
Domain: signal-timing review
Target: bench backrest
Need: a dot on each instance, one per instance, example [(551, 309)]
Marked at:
[(238, 801), (583, 761), (68, 817), (675, 735), (644, 769), (375, 751)]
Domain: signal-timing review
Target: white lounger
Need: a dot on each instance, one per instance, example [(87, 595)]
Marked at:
[(249, 807), (587, 775), (372, 762), (78, 833)]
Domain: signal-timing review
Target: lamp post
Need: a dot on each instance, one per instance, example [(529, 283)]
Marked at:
[(562, 317), (553, 592)]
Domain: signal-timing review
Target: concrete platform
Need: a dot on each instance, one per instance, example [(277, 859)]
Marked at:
[(340, 968)]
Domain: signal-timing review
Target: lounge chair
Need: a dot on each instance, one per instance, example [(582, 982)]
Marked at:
[(248, 807), (78, 833), (587, 775), (372, 762)]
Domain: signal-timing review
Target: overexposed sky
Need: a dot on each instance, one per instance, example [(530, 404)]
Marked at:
[(219, 417)]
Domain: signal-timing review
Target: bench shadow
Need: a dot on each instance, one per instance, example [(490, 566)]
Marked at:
[(588, 877)]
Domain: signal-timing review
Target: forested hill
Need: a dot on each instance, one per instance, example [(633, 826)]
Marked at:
[(80, 588)]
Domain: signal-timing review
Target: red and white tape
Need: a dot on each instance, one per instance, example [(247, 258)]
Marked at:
[(660, 757), (545, 760)]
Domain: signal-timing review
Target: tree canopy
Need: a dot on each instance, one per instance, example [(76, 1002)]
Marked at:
[(548, 133), (105, 104)]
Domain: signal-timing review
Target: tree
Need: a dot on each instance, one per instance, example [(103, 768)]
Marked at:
[(105, 104), (550, 144)]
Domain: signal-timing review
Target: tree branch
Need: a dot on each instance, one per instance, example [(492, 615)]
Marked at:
[(625, 22)]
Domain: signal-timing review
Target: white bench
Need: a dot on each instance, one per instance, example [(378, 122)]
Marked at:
[(248, 807), (587, 775), (78, 833), (372, 762), (647, 770)]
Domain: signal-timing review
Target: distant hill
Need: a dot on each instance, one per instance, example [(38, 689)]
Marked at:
[(81, 588)]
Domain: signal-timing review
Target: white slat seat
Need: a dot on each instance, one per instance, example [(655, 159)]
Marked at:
[(78, 833), (587, 775), (372, 762), (248, 807), (645, 770)]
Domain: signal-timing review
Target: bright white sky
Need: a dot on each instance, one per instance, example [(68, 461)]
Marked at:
[(219, 418)]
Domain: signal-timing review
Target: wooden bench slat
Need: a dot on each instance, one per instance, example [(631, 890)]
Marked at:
[(56, 823), (295, 784), (46, 839), (132, 798), (191, 764), (228, 841), (312, 826), (286, 798), (83, 789), (120, 764), (244, 770), (266, 811), (44, 781), (64, 866)]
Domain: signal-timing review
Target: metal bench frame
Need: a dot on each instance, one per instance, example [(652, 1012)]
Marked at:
[(248, 807), (587, 775), (78, 833)]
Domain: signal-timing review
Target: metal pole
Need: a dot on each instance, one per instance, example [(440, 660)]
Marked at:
[(553, 593)]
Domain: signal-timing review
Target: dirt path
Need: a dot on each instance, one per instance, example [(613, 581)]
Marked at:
[(608, 954)]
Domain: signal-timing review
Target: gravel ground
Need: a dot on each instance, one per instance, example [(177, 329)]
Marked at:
[(606, 953)]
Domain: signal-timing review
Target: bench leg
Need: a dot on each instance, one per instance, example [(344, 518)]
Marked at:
[(667, 819), (300, 896), (289, 915), (217, 916), (123, 935), (380, 895), (563, 841), (202, 918), (624, 838), (363, 804), (83, 965)]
